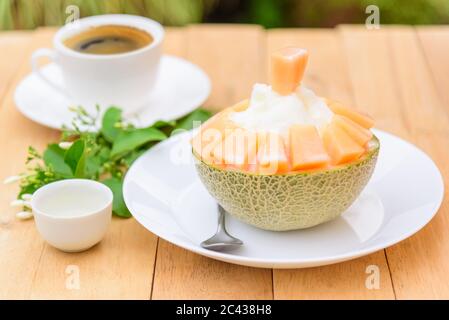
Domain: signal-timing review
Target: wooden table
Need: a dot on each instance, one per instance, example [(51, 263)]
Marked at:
[(399, 75)]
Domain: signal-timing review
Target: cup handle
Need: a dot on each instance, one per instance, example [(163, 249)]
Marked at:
[(50, 54)]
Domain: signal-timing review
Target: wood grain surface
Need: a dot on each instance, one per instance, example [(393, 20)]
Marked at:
[(397, 74)]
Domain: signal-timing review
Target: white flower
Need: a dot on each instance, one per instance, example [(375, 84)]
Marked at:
[(65, 145), (12, 179), (20, 203), (27, 196), (24, 215)]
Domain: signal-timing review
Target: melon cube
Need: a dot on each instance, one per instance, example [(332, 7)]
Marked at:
[(356, 131), (239, 148), (287, 69), (203, 136), (212, 140), (241, 106), (340, 146), (271, 154), (364, 120), (306, 148), (208, 140)]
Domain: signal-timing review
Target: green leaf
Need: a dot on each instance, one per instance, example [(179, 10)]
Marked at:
[(118, 204), (132, 156), (104, 154), (127, 141), (54, 157), (165, 126), (187, 122), (112, 116), (75, 158), (161, 124), (93, 166), (27, 189)]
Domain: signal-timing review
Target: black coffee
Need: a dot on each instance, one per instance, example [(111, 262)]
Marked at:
[(109, 39)]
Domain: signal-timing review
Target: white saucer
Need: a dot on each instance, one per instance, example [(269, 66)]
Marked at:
[(181, 88), (403, 195)]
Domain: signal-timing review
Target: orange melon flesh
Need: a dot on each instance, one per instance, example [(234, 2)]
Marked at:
[(287, 69), (239, 148), (356, 131), (241, 106), (211, 134), (340, 146), (306, 148), (201, 140), (271, 154), (212, 141), (221, 142), (364, 120)]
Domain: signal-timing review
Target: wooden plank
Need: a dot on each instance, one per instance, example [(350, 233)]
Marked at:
[(175, 41), (181, 274), (401, 78), (12, 44), (372, 77), (20, 246), (435, 46), (232, 56), (119, 267), (327, 75)]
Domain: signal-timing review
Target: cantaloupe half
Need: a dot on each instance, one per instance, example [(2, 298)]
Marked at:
[(292, 200), (287, 69), (306, 148)]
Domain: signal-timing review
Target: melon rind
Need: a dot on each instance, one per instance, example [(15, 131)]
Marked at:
[(289, 201)]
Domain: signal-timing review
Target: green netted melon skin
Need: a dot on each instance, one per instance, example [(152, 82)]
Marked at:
[(289, 201)]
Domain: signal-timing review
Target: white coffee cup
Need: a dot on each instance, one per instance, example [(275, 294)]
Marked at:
[(74, 214), (123, 80)]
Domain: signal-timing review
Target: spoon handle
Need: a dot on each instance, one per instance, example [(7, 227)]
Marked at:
[(221, 219)]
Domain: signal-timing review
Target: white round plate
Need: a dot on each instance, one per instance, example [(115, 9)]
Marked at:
[(165, 195), (181, 88)]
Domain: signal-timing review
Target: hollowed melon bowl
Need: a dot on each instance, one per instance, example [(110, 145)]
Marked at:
[(289, 201)]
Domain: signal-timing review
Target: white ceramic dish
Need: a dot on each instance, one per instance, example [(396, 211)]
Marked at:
[(181, 87), (164, 194), (72, 215)]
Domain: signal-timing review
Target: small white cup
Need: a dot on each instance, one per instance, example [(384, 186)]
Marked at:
[(72, 215), (124, 80)]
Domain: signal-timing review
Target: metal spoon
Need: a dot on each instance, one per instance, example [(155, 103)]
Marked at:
[(221, 240)]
